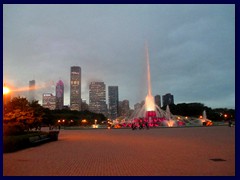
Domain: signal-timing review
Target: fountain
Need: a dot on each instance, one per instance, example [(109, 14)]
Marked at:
[(202, 120), (169, 120), (150, 114)]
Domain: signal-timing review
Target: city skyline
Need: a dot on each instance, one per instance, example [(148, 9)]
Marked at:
[(191, 49)]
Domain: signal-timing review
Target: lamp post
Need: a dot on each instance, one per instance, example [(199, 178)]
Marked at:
[(84, 122), (95, 122)]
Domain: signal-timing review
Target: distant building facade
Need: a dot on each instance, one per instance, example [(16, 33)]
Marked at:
[(113, 102), (75, 88), (168, 99), (124, 108), (59, 95), (97, 97), (31, 92), (158, 100), (84, 105), (49, 101), (137, 106)]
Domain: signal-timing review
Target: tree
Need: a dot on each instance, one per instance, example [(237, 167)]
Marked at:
[(20, 115)]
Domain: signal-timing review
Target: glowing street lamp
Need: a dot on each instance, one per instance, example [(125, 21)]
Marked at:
[(84, 122)]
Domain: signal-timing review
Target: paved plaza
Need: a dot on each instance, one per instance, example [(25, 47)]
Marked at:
[(195, 151)]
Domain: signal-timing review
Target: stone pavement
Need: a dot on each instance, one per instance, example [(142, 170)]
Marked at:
[(124, 152)]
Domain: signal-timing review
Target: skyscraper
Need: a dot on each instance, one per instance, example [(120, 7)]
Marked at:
[(97, 97), (137, 106), (124, 108), (75, 88), (113, 102), (59, 95), (167, 99), (158, 100), (31, 92)]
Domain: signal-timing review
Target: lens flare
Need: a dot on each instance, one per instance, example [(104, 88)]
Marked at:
[(6, 90)]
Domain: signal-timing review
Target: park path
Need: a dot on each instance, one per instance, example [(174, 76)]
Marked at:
[(124, 152)]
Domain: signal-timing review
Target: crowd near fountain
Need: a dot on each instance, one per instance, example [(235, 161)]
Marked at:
[(150, 115)]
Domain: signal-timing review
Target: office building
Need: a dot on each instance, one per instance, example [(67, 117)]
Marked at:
[(59, 95), (49, 101), (158, 100), (75, 88), (124, 108), (113, 102), (167, 99), (31, 92), (97, 97)]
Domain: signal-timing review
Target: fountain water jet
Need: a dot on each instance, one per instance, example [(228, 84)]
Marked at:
[(149, 100), (150, 113)]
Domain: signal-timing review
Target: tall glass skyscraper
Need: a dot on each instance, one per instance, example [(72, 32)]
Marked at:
[(31, 93), (75, 88), (158, 100), (97, 97), (113, 102), (59, 95)]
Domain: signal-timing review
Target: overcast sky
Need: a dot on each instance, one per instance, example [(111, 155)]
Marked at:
[(191, 49)]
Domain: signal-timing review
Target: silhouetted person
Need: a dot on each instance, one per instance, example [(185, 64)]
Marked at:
[(133, 126), (140, 125), (230, 123), (146, 124)]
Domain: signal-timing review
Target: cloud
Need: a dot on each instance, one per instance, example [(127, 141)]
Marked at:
[(192, 48)]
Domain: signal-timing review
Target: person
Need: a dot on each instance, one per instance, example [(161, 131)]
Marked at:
[(140, 125), (59, 127), (146, 124), (230, 123), (133, 126)]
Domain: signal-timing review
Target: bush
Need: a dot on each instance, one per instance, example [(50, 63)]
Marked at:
[(17, 142), (12, 129), (14, 143)]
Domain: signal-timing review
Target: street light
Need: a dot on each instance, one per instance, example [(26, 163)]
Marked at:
[(95, 122), (84, 122)]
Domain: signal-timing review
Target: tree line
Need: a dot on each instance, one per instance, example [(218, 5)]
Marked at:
[(21, 115)]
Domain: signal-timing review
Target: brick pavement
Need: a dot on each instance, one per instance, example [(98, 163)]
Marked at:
[(123, 152)]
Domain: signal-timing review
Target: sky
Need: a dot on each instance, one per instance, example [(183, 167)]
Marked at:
[(191, 49)]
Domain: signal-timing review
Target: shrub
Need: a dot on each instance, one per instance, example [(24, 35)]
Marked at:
[(11, 129), (14, 143)]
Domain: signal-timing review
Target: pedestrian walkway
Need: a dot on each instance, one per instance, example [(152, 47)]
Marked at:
[(197, 151)]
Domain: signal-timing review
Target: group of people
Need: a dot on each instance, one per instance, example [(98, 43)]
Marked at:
[(134, 126)]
